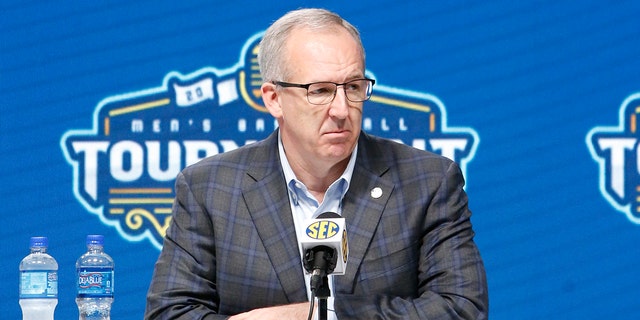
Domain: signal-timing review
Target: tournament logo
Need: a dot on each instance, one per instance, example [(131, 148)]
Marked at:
[(617, 153), (124, 167)]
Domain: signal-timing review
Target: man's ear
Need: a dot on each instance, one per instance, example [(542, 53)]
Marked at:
[(270, 99)]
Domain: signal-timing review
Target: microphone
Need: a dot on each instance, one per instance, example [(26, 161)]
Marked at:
[(324, 246)]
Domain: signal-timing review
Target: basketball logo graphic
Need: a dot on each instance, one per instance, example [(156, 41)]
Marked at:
[(124, 167)]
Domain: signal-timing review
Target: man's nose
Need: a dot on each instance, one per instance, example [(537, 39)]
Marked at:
[(339, 107)]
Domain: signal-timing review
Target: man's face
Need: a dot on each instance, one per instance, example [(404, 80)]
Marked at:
[(329, 132)]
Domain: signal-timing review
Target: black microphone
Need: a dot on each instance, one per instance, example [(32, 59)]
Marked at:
[(324, 244), (319, 261)]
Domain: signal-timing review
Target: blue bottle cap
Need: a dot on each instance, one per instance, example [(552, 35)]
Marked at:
[(39, 242), (95, 239)]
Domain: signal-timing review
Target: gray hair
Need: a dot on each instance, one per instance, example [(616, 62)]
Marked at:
[(271, 57)]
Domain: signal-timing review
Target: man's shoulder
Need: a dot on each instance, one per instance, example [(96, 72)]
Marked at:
[(391, 148), (236, 158)]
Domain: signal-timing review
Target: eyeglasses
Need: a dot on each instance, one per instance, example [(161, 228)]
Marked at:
[(320, 93)]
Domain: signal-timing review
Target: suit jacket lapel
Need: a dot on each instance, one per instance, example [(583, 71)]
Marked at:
[(268, 203), (362, 207)]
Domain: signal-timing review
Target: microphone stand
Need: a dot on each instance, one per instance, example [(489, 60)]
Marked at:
[(322, 293)]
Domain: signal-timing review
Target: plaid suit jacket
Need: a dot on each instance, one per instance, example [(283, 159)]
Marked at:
[(231, 246)]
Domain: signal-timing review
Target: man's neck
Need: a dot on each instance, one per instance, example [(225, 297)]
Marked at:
[(317, 178)]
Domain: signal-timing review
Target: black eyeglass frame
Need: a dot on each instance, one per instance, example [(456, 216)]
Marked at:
[(307, 85)]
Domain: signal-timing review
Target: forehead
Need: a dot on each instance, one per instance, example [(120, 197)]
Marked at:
[(320, 54)]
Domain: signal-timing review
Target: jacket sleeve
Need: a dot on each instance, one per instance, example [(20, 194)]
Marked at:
[(182, 286)]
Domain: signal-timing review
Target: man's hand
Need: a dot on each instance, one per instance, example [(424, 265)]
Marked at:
[(298, 311)]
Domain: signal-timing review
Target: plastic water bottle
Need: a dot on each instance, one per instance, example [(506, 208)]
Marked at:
[(95, 281), (38, 282)]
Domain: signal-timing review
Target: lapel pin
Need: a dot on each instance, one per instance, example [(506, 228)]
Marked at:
[(376, 192)]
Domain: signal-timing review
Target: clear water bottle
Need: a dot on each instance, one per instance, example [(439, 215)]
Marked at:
[(38, 282), (95, 281)]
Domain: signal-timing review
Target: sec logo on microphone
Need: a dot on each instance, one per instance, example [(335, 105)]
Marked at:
[(322, 229)]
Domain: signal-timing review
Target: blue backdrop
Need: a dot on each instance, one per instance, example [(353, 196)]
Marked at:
[(536, 99)]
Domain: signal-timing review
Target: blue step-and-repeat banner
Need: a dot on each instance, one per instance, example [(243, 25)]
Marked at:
[(102, 103)]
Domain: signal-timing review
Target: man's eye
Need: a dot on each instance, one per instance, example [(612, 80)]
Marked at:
[(320, 90)]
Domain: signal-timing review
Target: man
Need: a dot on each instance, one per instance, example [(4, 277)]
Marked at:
[(232, 248)]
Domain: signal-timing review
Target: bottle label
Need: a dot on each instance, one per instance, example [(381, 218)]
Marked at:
[(38, 284), (95, 282)]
